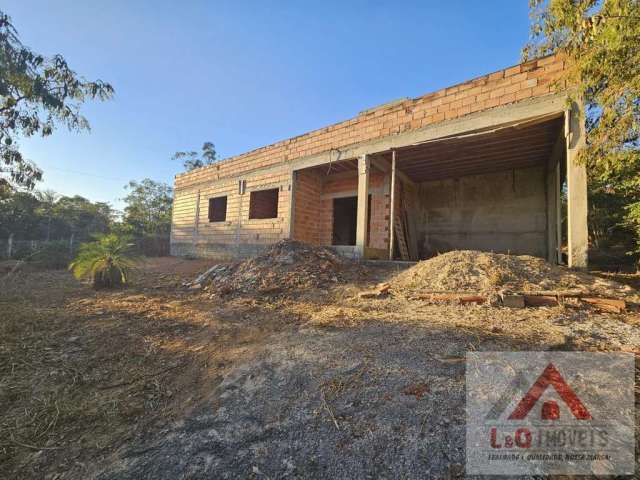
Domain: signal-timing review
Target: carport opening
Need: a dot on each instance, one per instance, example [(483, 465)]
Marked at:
[(495, 190), (345, 214)]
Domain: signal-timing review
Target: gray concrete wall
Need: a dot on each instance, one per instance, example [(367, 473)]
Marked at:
[(500, 212), (226, 252), (217, 251)]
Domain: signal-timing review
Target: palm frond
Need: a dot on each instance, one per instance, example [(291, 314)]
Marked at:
[(107, 261)]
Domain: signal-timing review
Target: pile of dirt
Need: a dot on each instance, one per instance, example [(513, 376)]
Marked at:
[(473, 271), (285, 266)]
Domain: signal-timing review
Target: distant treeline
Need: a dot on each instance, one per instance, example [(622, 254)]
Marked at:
[(46, 216)]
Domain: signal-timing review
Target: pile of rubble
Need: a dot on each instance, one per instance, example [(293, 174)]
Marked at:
[(484, 272), (516, 281), (285, 266)]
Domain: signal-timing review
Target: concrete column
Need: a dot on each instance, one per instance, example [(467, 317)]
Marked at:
[(577, 228), (289, 231), (554, 235), (364, 164), (392, 202), (196, 221)]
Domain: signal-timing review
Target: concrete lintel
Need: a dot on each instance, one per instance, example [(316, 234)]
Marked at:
[(350, 193), (364, 166), (577, 226), (340, 175)]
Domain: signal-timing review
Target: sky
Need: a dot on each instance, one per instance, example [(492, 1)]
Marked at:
[(243, 74)]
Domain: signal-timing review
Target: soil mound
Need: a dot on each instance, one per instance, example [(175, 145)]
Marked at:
[(286, 265), (473, 271)]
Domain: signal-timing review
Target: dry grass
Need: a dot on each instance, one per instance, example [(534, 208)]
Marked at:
[(83, 372)]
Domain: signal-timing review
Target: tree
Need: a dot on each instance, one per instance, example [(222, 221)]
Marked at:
[(36, 95), (81, 218), (48, 216), (47, 199), (20, 217), (601, 43), (191, 160), (106, 261), (148, 208)]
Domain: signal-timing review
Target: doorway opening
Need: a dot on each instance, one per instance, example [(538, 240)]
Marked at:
[(345, 214)]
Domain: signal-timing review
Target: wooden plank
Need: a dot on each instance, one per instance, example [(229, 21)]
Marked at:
[(451, 297), (540, 301), (607, 304), (402, 244)]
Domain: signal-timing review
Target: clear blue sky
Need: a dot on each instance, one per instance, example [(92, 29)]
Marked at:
[(244, 74)]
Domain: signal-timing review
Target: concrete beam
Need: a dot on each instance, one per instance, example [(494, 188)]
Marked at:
[(381, 164), (364, 165), (577, 227), (499, 116), (386, 168)]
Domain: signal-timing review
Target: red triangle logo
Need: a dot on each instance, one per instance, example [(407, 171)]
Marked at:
[(550, 376)]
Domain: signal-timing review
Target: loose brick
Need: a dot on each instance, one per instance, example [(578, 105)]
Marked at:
[(512, 71)]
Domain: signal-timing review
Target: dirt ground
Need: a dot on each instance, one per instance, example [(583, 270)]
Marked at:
[(158, 381)]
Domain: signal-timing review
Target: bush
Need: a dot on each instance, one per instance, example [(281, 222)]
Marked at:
[(53, 255), (107, 262)]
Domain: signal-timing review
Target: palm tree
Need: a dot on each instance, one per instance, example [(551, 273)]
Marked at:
[(108, 261)]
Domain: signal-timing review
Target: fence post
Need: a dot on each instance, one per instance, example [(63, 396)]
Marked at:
[(71, 244), (10, 245)]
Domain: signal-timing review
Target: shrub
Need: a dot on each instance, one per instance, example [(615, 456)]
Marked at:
[(52, 255), (107, 262)]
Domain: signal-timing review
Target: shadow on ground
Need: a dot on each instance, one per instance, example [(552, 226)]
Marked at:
[(156, 382)]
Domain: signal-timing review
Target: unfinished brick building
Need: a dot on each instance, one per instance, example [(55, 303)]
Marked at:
[(480, 165)]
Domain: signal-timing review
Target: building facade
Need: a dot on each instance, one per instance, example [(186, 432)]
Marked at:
[(480, 165)]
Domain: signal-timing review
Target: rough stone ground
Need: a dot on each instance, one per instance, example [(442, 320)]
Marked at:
[(381, 400), (159, 382)]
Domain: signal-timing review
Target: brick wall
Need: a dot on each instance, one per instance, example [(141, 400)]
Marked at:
[(192, 231), (531, 79), (307, 205), (190, 222), (314, 194)]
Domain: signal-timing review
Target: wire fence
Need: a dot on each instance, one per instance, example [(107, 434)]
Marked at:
[(10, 248)]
